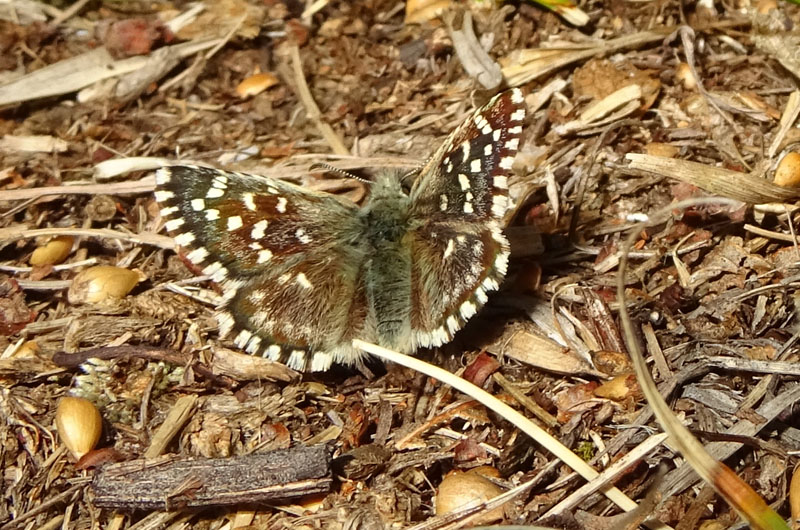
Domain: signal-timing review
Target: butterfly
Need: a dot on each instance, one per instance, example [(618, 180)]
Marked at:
[(303, 273)]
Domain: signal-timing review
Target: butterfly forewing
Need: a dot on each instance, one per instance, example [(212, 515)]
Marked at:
[(460, 252), (467, 178), (274, 248)]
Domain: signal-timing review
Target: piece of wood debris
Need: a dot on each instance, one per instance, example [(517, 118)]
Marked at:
[(473, 57), (75, 73), (540, 352), (170, 483), (33, 144)]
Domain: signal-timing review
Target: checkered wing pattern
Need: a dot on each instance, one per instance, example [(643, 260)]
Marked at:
[(287, 260), (462, 193), (302, 274)]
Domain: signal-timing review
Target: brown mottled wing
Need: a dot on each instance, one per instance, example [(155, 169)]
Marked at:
[(270, 245), (459, 251)]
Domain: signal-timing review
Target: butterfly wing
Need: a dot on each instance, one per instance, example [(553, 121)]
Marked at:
[(459, 251), (271, 245)]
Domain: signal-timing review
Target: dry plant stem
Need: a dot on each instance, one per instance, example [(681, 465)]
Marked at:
[(788, 118), (177, 417), (608, 475), (64, 496), (681, 478), (709, 469), (68, 13), (511, 415), (144, 185), (769, 233), (304, 93), (75, 73), (524, 400), (526, 65), (15, 233), (745, 187)]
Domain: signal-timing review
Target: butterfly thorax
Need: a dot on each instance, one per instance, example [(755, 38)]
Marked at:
[(386, 213)]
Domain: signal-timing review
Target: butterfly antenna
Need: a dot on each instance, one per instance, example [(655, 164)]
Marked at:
[(338, 171)]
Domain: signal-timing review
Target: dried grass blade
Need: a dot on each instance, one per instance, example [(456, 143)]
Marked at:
[(734, 185)]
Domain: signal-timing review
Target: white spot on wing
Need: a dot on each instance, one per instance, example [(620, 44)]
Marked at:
[(212, 268), (253, 345), (212, 214), (516, 96), (163, 176), (303, 281), (184, 239), (249, 201), (259, 229), (273, 352), (198, 255), (234, 223), (321, 361), (464, 181), (296, 360), (487, 150), (501, 181), (281, 206), (496, 135), (163, 195), (452, 324), (443, 202), (507, 162), (468, 208), (480, 294), (166, 212), (449, 249), (226, 322), (501, 262), (301, 235), (517, 129), (214, 193), (518, 115), (467, 309), (465, 147), (220, 275), (499, 205), (198, 205), (242, 338), (264, 256), (475, 165), (490, 284), (513, 144)]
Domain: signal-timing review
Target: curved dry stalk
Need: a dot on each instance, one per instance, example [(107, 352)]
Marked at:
[(511, 415), (734, 490)]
